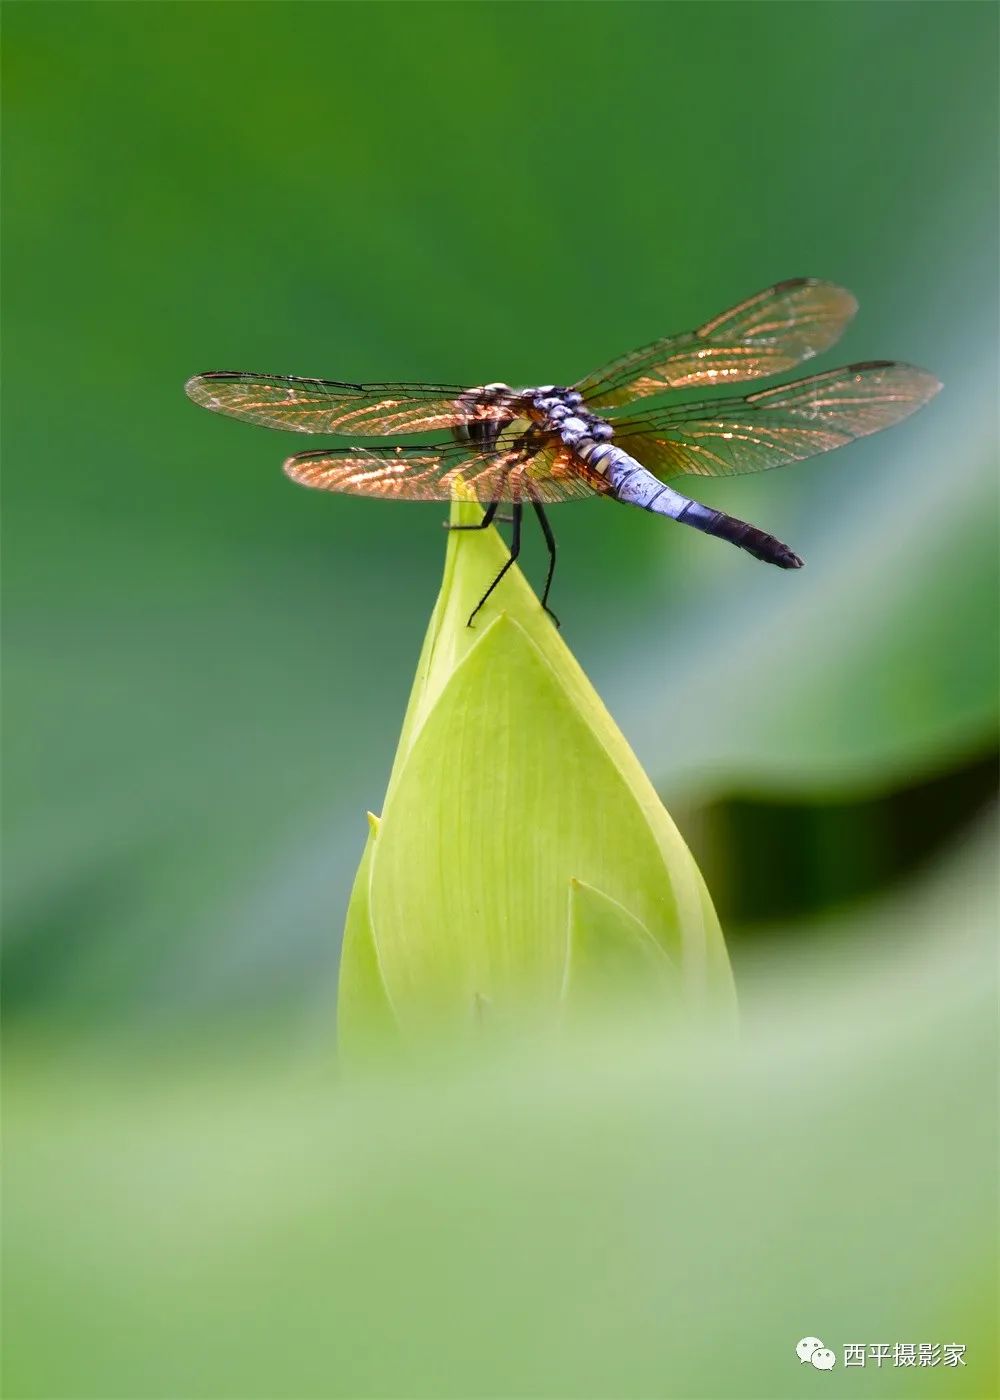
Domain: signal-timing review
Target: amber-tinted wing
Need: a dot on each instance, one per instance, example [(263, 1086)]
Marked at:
[(550, 473), (768, 334), (728, 437), (556, 473), (325, 406)]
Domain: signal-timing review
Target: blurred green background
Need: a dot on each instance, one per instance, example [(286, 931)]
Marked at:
[(207, 669)]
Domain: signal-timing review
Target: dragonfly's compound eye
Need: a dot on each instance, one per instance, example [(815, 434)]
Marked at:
[(480, 432)]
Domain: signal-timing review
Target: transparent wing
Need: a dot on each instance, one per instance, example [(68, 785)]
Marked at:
[(549, 474), (556, 473), (326, 406), (768, 334), (728, 437)]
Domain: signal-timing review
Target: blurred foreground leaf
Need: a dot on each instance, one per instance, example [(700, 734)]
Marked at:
[(620, 1219)]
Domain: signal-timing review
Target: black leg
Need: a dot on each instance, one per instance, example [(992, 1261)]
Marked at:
[(497, 520), (515, 549), (550, 541), (484, 524)]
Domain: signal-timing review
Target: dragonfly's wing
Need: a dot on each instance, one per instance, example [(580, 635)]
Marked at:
[(554, 474), (326, 406), (768, 334), (549, 474), (729, 437)]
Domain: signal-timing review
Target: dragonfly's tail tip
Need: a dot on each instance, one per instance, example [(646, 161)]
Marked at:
[(786, 558)]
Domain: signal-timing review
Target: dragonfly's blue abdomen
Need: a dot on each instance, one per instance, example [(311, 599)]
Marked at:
[(631, 483), (590, 437), (629, 480)]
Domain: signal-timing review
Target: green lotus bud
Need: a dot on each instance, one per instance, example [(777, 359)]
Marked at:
[(523, 866)]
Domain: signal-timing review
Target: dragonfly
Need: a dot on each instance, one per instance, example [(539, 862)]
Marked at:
[(533, 447)]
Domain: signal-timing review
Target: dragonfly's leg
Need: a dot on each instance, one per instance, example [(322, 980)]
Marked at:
[(515, 549), (488, 518), (550, 541)]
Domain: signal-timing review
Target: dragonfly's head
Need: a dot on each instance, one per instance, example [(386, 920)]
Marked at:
[(488, 410)]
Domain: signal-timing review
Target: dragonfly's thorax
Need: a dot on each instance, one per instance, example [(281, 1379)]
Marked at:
[(561, 411), (552, 408)]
